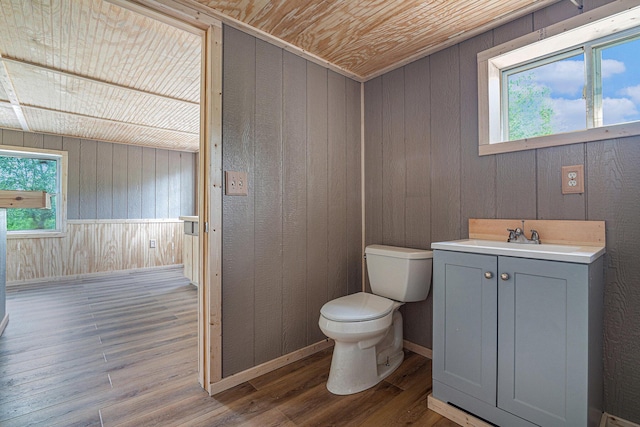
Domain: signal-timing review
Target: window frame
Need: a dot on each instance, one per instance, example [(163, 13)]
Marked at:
[(587, 31), (61, 157)]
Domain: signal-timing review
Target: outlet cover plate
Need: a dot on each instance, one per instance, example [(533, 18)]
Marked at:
[(235, 183), (573, 179)]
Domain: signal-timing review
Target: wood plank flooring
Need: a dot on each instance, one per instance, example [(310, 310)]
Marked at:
[(122, 350)]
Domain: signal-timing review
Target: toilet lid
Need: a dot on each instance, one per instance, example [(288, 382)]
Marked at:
[(357, 308)]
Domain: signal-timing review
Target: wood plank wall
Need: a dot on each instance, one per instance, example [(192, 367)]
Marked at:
[(116, 181), (430, 142), (118, 197), (295, 241), (95, 246)]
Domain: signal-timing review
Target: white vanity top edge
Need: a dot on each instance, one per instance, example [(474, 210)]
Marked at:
[(566, 253)]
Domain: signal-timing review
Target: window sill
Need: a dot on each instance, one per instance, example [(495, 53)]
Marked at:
[(623, 130), (35, 235)]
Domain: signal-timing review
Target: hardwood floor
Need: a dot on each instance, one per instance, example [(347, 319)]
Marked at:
[(122, 350)]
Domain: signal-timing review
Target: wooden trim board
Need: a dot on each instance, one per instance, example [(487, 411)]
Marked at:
[(272, 365), (25, 199), (585, 233), (467, 420), (454, 414), (362, 189), (418, 349), (125, 221), (613, 421)]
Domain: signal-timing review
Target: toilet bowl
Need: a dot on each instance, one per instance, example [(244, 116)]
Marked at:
[(367, 327), (357, 325)]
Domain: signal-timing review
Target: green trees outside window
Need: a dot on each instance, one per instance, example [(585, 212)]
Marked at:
[(30, 174)]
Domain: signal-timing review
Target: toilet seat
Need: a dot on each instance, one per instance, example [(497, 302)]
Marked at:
[(359, 307)]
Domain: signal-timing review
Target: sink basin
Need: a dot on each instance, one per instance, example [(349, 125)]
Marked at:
[(552, 252)]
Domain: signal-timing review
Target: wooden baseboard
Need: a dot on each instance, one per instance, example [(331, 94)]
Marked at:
[(272, 365), (418, 349), (454, 414), (613, 421), (3, 324), (466, 420), (19, 283)]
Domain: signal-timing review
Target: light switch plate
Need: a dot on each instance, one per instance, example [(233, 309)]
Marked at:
[(236, 183), (573, 179)]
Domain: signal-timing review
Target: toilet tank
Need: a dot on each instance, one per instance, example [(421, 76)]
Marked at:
[(400, 274)]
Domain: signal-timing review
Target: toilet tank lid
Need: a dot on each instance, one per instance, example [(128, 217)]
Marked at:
[(357, 308), (398, 252)]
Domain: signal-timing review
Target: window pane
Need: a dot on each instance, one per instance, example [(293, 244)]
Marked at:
[(621, 83), (29, 174), (547, 99)]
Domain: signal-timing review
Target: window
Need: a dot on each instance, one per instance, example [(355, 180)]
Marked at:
[(544, 97), (29, 169), (576, 81)]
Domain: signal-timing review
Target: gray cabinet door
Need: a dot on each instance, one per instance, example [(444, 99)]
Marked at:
[(464, 323), (542, 341)]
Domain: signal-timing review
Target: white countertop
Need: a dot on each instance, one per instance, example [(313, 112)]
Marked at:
[(566, 253), (189, 218)]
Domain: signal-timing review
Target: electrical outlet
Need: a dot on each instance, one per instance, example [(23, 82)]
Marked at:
[(152, 243), (573, 179), (236, 183)]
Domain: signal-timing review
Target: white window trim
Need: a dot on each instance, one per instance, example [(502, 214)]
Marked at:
[(61, 231), (612, 18)]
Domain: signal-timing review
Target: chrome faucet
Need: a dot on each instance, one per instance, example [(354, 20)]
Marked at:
[(517, 236)]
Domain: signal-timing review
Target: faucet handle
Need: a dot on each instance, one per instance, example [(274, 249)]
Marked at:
[(512, 234), (534, 236)]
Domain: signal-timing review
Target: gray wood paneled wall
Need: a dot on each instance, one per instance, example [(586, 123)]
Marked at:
[(116, 181), (295, 241), (424, 180)]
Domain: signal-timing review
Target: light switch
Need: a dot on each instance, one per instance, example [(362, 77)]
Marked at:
[(573, 179), (236, 183)]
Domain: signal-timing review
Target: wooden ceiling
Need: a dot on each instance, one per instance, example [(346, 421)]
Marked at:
[(96, 70), (90, 69), (366, 38)]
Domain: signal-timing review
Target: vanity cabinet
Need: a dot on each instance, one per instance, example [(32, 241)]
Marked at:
[(518, 342)]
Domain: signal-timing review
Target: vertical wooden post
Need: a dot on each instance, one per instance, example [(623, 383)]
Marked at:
[(210, 211)]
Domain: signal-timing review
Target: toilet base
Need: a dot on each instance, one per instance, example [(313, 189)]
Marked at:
[(355, 369)]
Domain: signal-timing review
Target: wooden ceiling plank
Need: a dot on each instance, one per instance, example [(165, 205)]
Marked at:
[(8, 117), (6, 83), (374, 72), (396, 40), (158, 16), (363, 38), (185, 68), (85, 21), (369, 46), (136, 125), (94, 80), (115, 133), (59, 38), (242, 10), (103, 101), (110, 103), (193, 10)]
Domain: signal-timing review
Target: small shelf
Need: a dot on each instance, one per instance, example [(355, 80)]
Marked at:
[(25, 199)]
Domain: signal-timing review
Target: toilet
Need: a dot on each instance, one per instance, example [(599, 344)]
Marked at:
[(367, 328)]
